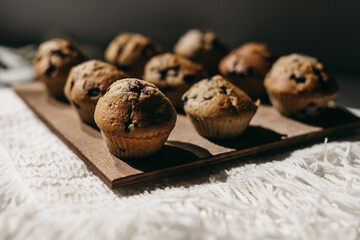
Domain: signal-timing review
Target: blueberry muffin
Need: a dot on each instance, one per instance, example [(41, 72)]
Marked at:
[(202, 47), (53, 62), (298, 86), (173, 75), (247, 66), (218, 109), (135, 118), (130, 51), (86, 83)]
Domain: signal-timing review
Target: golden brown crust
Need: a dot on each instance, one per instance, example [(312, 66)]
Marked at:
[(248, 60), (87, 82), (134, 108), (300, 75), (173, 75), (53, 62), (216, 97), (247, 66), (203, 47), (130, 51)]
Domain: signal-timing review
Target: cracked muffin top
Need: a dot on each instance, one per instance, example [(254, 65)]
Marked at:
[(55, 58), (134, 107), (169, 70), (203, 47), (130, 51), (299, 74), (249, 60), (217, 97), (88, 81)]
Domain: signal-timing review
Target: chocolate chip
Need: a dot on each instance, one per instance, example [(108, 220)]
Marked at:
[(94, 92), (189, 78), (122, 149), (58, 53), (295, 60), (298, 79), (50, 70)]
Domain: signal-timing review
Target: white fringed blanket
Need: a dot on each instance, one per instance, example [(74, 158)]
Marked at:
[(47, 192)]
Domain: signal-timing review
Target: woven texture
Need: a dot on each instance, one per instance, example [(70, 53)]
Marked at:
[(47, 192)]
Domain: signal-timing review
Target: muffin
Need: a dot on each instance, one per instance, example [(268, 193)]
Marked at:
[(86, 83), (247, 66), (202, 47), (218, 109), (130, 51), (135, 118), (173, 75), (53, 62), (298, 86)]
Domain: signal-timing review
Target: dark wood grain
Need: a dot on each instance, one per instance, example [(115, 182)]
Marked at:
[(185, 149)]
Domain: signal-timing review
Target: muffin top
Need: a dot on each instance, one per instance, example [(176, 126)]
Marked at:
[(88, 81), (130, 51), (216, 97), (134, 107), (249, 60), (200, 46), (55, 58), (169, 70), (299, 73)]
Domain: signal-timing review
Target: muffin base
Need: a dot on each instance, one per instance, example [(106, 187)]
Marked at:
[(301, 107), (134, 147), (221, 128)]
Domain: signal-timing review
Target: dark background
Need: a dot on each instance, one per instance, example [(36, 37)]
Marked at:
[(329, 30)]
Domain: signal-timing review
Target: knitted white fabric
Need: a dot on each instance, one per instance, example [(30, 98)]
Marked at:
[(47, 192)]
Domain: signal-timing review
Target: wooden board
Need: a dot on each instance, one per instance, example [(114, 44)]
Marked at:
[(185, 149)]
